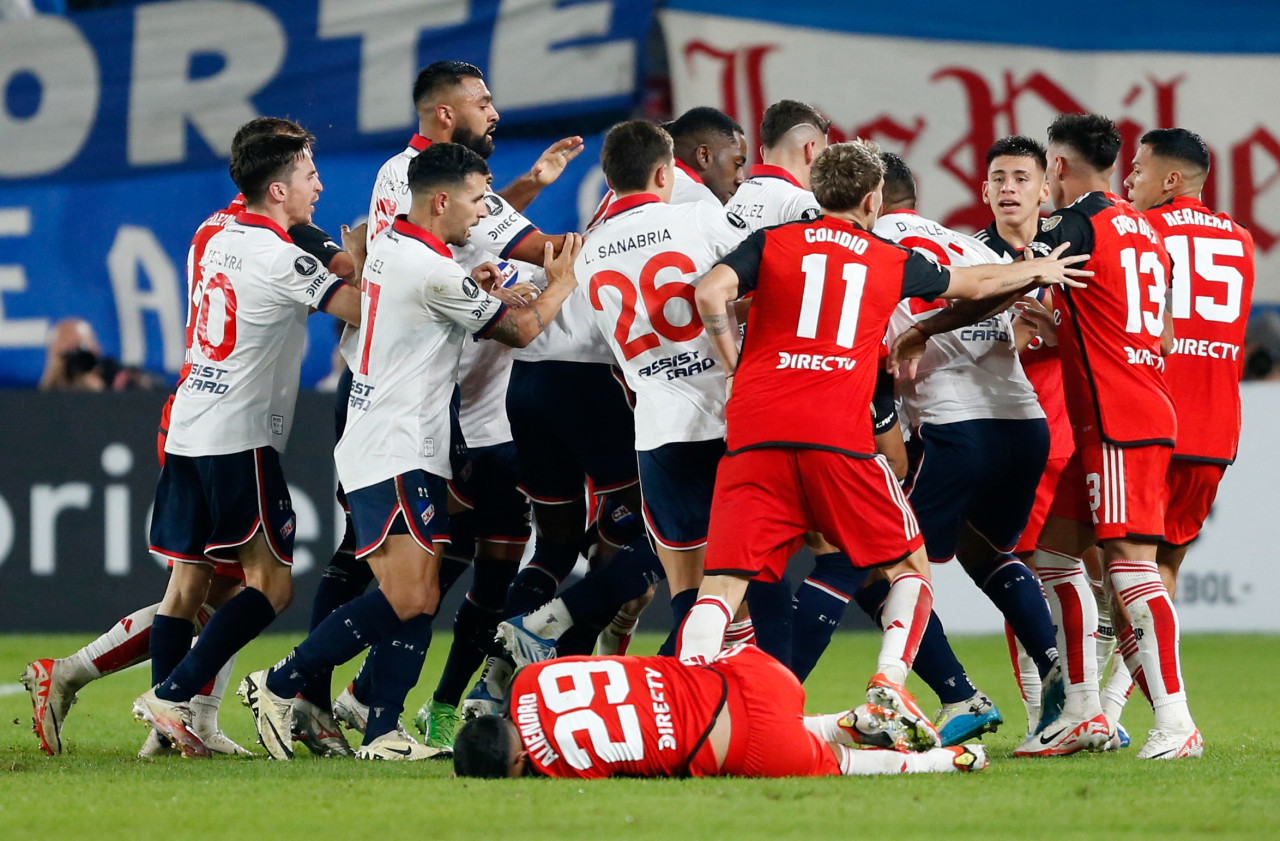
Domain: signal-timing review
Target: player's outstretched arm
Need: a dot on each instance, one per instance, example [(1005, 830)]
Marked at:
[(519, 327), (345, 304), (714, 292), (549, 166), (990, 279)]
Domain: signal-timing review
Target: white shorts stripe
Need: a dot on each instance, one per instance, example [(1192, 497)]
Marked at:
[(1121, 496)]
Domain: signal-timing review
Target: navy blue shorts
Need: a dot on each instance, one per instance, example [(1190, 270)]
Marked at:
[(414, 503), (488, 485), (207, 507), (571, 421), (677, 482), (983, 472)]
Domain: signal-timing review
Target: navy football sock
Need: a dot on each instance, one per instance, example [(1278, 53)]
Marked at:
[(474, 626), (819, 606), (628, 575), (681, 604), (536, 584), (170, 642), (231, 628), (343, 579), (349, 630), (1014, 589), (395, 671), (935, 662), (770, 606), (451, 570), (580, 639)]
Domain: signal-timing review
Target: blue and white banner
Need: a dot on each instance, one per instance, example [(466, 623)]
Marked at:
[(938, 82), (115, 127)]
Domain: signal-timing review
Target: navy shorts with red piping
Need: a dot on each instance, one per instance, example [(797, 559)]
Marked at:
[(570, 421), (207, 507), (414, 503), (677, 481)]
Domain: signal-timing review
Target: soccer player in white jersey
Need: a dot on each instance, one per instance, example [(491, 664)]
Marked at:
[(418, 308), (643, 260), (792, 135), (978, 445), (221, 494)]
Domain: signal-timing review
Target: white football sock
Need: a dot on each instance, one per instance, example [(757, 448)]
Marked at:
[(903, 616), (1075, 618), (702, 632), (549, 621)]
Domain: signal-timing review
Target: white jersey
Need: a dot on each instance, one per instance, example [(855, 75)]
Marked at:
[(967, 374), (772, 196), (257, 289), (417, 308), (688, 188), (640, 267)]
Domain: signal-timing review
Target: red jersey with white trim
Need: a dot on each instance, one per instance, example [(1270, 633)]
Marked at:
[(1212, 292), (824, 291), (640, 267), (1109, 332), (594, 717), (772, 196)]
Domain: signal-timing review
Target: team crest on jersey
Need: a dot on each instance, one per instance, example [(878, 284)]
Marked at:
[(306, 265), (494, 204), (1049, 223), (469, 288), (735, 220), (809, 214)]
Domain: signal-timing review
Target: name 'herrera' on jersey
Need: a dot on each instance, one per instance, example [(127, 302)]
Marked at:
[(612, 248)]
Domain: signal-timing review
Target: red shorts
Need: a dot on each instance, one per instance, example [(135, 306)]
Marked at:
[(1121, 491), (766, 499), (1044, 499), (1192, 486), (766, 716)]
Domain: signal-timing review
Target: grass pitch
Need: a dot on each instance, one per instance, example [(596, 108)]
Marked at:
[(99, 790)]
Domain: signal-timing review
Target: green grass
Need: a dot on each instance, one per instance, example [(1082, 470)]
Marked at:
[(98, 790)]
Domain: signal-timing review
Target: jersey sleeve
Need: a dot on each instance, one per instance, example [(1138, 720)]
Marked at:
[(312, 239), (745, 261), (720, 230), (884, 409), (804, 207), (503, 229), (453, 294), (923, 278), (384, 205), (299, 278), (1065, 225)]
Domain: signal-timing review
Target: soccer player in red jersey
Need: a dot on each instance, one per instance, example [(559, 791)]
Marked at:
[(740, 715), (1212, 288), (1112, 492), (801, 455)]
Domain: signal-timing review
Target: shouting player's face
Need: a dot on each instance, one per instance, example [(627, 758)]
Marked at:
[(727, 165), (474, 117), (1147, 183), (1015, 188), (463, 208), (302, 190)]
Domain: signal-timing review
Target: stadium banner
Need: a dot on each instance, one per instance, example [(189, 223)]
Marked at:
[(78, 473), (115, 128), (934, 84)]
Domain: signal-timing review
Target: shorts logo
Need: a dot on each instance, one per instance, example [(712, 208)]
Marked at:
[(277, 424), (735, 220), (287, 528), (469, 288), (1049, 223), (493, 204), (306, 265), (427, 514)]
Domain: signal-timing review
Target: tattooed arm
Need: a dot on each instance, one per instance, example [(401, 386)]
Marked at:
[(714, 292), (519, 327)]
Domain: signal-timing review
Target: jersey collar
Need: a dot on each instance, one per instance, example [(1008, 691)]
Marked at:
[(630, 202), (403, 226), (689, 172), (771, 171), (418, 142), (256, 220), (906, 211), (237, 204)]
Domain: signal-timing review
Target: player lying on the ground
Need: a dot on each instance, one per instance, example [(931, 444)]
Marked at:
[(741, 714)]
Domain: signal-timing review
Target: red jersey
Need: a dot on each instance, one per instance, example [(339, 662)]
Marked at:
[(1212, 291), (823, 293), (593, 717), (1041, 364), (1109, 332)]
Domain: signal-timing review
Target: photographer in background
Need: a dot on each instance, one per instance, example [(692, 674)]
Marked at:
[(74, 362)]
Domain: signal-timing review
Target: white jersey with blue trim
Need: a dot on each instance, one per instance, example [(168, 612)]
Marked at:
[(639, 269), (256, 288), (967, 374), (417, 308)]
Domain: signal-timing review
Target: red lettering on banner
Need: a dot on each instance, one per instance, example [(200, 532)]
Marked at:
[(1246, 189)]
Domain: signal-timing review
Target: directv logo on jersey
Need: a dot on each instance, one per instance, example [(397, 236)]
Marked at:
[(814, 362), (1142, 356)]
